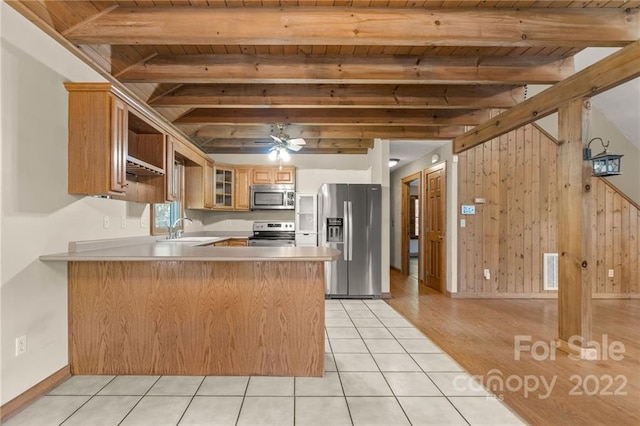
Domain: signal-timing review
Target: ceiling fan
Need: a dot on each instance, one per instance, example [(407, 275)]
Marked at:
[(282, 143)]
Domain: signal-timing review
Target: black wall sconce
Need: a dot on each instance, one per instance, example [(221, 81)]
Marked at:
[(604, 164)]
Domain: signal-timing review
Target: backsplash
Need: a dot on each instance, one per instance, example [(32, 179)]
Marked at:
[(241, 221)]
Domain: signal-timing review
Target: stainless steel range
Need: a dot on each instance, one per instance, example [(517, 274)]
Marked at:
[(273, 234)]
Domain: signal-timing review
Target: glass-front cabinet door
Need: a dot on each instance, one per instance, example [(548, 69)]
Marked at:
[(306, 213), (223, 187), (306, 219)]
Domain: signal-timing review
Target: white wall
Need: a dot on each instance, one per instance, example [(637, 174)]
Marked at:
[(379, 161), (445, 155), (37, 215), (621, 105)]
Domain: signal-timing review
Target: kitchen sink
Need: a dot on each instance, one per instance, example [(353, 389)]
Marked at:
[(191, 239), (195, 241)]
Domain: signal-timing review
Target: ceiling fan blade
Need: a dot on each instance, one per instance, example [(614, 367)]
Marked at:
[(294, 148), (277, 139), (297, 141)]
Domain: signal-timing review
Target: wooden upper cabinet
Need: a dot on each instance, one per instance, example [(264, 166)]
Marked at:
[(266, 175), (119, 139), (208, 185), (195, 188), (171, 184), (113, 149), (97, 141), (262, 176), (242, 195), (285, 176)]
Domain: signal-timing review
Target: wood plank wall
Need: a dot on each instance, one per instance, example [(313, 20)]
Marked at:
[(510, 232)]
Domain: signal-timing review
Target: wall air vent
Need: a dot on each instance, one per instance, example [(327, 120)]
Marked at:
[(550, 271)]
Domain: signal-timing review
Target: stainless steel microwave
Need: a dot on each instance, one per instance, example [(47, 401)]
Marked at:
[(273, 197)]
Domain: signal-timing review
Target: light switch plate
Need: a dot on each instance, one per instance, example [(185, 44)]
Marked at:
[(21, 345)]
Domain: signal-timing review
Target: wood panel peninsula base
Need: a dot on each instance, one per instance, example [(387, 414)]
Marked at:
[(197, 318)]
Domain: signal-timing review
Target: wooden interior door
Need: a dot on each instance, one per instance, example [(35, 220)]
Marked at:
[(435, 226)]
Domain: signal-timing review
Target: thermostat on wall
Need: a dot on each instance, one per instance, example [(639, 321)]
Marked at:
[(468, 209)]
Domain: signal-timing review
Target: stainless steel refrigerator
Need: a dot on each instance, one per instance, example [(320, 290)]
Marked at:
[(349, 219)]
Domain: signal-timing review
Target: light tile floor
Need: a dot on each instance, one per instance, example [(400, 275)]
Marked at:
[(379, 370)]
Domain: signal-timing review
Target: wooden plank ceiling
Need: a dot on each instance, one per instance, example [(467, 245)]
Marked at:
[(337, 73)]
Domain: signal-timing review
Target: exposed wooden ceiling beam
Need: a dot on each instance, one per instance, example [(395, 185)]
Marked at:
[(162, 90), (334, 95), (360, 26), (219, 150), (331, 132), (329, 116), (258, 69), (615, 69), (311, 143)]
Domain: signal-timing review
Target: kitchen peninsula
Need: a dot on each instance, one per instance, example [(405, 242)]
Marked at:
[(173, 308)]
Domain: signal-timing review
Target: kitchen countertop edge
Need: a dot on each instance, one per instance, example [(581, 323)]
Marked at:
[(167, 251)]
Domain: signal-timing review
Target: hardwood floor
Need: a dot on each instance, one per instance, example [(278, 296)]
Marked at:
[(480, 335)]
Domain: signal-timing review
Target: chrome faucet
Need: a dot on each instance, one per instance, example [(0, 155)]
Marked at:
[(176, 233)]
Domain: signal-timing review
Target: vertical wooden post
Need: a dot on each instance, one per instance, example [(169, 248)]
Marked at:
[(576, 260)]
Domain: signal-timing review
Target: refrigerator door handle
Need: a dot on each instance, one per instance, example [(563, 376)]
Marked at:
[(350, 231), (347, 229)]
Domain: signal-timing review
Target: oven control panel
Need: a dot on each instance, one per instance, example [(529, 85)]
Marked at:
[(274, 226)]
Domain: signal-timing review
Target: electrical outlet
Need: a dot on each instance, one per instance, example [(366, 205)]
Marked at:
[(105, 222), (123, 222), (610, 273), (143, 222), (487, 274), (463, 223), (21, 345)]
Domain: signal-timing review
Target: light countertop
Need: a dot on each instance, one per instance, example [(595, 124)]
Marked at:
[(190, 249)]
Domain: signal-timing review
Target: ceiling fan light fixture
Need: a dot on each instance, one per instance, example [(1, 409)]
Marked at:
[(273, 154), (284, 154)]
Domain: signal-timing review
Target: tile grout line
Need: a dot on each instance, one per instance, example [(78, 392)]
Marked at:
[(426, 373), (379, 370), (413, 359), (86, 402), (141, 398), (191, 400), (339, 377), (244, 396)]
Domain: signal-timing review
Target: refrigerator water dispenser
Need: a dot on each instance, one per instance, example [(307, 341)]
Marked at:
[(335, 227)]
